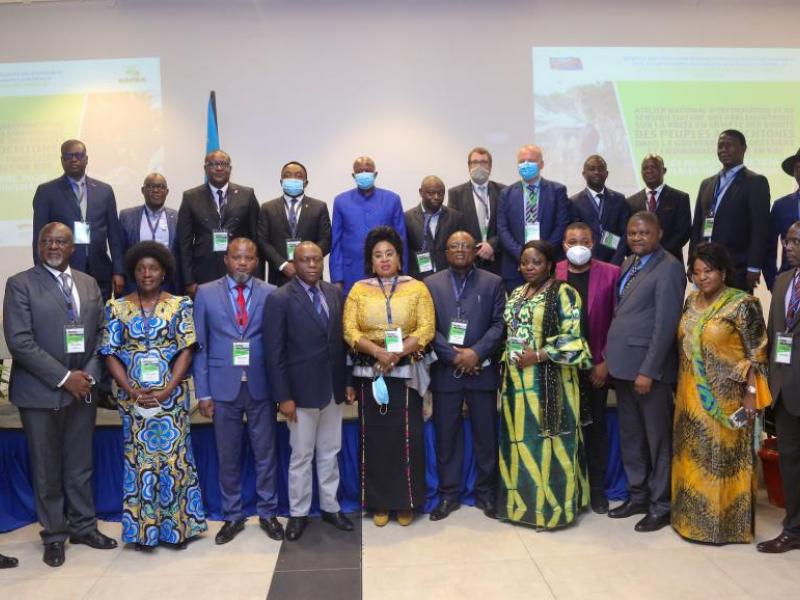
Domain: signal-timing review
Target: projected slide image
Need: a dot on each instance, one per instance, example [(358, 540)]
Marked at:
[(114, 106), (626, 102)]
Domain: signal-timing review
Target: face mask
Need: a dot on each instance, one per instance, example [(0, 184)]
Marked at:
[(579, 255), (479, 175), (365, 181), (380, 392), (292, 187), (528, 170)]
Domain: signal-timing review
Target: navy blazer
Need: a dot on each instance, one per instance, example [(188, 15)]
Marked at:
[(215, 323), (307, 361), (55, 201), (614, 219), (553, 218), (482, 305), (130, 219), (785, 212)]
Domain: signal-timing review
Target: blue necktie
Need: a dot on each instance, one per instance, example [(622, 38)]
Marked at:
[(315, 296), (293, 217)]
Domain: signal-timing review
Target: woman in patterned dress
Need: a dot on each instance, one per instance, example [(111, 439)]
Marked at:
[(148, 344), (543, 480), (723, 366)]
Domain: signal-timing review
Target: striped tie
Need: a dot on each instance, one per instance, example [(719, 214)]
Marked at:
[(793, 312), (532, 207), (635, 268)]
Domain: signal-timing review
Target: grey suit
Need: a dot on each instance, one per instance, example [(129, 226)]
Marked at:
[(58, 427), (784, 384), (641, 340)]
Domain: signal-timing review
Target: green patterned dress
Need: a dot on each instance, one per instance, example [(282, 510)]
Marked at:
[(543, 472)]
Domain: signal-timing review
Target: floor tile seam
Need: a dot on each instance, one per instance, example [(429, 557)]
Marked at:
[(536, 564)]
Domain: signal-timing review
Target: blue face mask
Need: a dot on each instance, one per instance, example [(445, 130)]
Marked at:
[(365, 181), (528, 170), (292, 187), (380, 392)]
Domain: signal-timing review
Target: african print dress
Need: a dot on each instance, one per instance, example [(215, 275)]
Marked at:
[(161, 491), (713, 465), (542, 457)]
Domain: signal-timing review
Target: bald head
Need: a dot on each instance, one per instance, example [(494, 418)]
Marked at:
[(363, 164), (431, 192), (308, 262)]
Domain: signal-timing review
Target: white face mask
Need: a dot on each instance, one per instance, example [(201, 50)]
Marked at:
[(579, 255)]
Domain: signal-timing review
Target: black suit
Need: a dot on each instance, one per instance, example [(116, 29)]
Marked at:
[(674, 213), (449, 222), (313, 225), (198, 218), (741, 223), (613, 218), (461, 199)]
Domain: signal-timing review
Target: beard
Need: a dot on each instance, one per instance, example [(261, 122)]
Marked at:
[(240, 277)]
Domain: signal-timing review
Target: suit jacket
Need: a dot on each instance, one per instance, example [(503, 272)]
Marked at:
[(674, 213), (784, 380), (785, 212), (601, 302), (482, 305), (460, 198), (313, 225), (130, 219), (306, 359), (741, 223), (198, 217), (641, 339), (614, 219), (214, 374), (553, 217), (34, 317), (450, 221), (55, 201)]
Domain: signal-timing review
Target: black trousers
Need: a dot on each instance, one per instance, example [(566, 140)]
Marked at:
[(788, 429), (447, 419), (597, 440)]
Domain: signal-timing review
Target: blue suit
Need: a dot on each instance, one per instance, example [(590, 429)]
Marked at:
[(614, 218), (785, 212), (482, 304), (216, 378), (354, 215), (553, 220), (130, 219), (55, 201)]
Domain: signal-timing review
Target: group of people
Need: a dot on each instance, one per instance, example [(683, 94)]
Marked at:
[(552, 300)]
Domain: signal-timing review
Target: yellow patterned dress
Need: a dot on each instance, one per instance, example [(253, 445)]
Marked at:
[(543, 480), (713, 465)]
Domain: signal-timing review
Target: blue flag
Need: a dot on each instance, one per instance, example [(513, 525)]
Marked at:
[(212, 133)]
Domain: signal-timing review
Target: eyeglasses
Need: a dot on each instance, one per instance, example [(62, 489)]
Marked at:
[(57, 242), (484, 161), (73, 155), (791, 242), (460, 246), (218, 164), (155, 186)]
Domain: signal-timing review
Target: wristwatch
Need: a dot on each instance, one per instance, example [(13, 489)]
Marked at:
[(751, 389)]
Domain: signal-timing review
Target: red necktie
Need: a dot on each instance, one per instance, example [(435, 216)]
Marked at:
[(241, 315), (651, 203)]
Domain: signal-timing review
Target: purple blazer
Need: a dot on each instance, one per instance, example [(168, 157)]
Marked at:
[(603, 278)]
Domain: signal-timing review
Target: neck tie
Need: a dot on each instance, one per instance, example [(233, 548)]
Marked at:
[(293, 216), (80, 196), (481, 193), (532, 207), (221, 196), (427, 236), (651, 202), (241, 313), (65, 282), (315, 298), (598, 204), (635, 268), (793, 311)]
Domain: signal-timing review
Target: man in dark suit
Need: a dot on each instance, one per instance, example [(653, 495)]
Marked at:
[(88, 207), (152, 221), (53, 319), (732, 209), (643, 360), (469, 330), (604, 210), (532, 209), (209, 216), (784, 384), (230, 379), (785, 212), (428, 226), (670, 205), (476, 200), (304, 337), (286, 221)]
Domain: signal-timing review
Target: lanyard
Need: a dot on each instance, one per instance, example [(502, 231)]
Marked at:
[(389, 297), (153, 226), (146, 320), (458, 293)]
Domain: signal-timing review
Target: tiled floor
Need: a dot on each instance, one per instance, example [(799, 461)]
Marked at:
[(466, 556)]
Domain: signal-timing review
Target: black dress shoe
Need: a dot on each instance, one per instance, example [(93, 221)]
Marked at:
[(229, 531), (599, 503), (54, 554), (652, 523), (273, 528), (489, 509), (338, 520), (443, 509), (295, 528), (627, 509), (95, 539), (783, 543), (143, 548), (8, 562)]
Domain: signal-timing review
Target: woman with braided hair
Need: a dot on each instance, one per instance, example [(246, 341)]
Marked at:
[(542, 462)]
